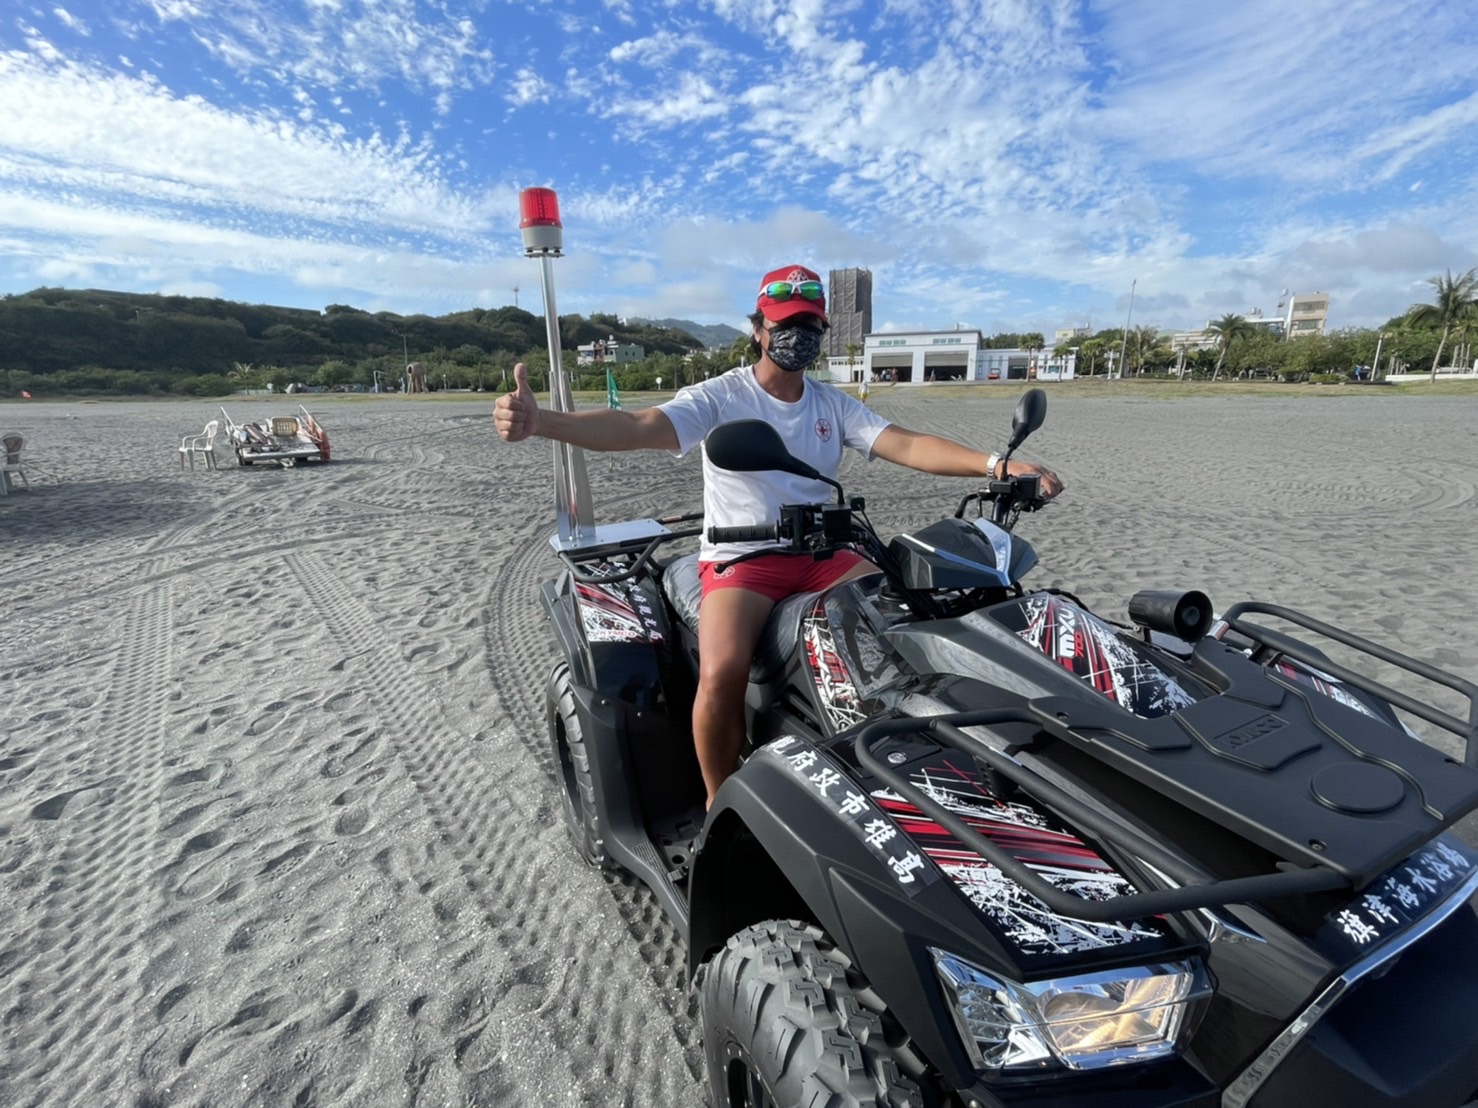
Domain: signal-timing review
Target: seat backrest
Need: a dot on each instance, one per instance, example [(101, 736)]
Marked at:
[(13, 444), (210, 431), (284, 427)]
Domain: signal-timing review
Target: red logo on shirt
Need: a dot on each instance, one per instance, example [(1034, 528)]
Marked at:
[(823, 430)]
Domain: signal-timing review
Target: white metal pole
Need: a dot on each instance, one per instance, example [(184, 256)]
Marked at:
[(575, 516)]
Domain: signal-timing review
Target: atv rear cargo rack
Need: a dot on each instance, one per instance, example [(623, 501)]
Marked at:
[(637, 540)]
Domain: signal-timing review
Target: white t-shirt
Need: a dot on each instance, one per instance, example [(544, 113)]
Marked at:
[(814, 429)]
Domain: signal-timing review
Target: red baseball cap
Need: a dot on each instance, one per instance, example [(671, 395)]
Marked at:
[(777, 310)]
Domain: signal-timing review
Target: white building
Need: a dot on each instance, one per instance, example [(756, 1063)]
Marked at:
[(925, 357), (609, 350)]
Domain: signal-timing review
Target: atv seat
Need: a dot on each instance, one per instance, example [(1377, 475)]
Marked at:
[(777, 639)]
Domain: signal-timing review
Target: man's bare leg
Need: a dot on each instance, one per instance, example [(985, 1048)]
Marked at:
[(728, 628)]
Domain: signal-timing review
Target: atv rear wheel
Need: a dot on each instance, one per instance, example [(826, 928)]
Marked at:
[(577, 790), (786, 1020)]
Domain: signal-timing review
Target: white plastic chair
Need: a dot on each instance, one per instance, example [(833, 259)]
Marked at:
[(12, 468), (203, 443)]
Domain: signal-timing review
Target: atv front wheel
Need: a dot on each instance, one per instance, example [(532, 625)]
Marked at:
[(787, 1021), (577, 790)]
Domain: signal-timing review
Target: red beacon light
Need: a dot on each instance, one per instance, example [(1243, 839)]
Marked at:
[(543, 233)]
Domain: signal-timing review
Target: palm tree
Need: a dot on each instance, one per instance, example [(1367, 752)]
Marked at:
[(1089, 351), (1457, 301), (1060, 354), (1031, 343), (1227, 330), (1146, 339)]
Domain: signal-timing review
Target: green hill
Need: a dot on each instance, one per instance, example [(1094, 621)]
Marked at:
[(711, 335), (95, 340)]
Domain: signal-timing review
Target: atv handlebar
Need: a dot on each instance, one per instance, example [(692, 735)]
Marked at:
[(1008, 497), (806, 528), (753, 533)]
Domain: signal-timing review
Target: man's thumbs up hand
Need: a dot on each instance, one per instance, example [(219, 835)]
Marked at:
[(516, 414)]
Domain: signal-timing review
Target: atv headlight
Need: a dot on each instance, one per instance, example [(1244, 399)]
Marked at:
[(1086, 1022)]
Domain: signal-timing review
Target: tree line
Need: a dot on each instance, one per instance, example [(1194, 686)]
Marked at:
[(61, 341), (1419, 338), (68, 341)]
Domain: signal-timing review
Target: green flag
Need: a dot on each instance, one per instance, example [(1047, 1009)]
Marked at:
[(613, 398)]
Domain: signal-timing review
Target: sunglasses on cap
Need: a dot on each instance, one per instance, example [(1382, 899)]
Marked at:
[(786, 290)]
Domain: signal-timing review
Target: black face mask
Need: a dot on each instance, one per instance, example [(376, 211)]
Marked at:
[(794, 348)]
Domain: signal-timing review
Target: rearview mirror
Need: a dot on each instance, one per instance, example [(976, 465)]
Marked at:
[(751, 445), (1031, 410)]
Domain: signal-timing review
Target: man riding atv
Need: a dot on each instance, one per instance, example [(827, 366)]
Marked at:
[(816, 421)]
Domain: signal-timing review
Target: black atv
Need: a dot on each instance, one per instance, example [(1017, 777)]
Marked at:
[(989, 848)]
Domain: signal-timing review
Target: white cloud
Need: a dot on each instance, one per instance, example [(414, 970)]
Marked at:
[(687, 100), (984, 157), (362, 46), (72, 128), (527, 87), (70, 21)]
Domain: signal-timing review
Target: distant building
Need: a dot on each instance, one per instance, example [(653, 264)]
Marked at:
[(1307, 314), (1187, 341), (927, 357), (1068, 334), (1259, 322), (848, 309), (609, 350)]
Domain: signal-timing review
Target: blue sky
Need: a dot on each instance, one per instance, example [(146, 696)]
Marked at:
[(1010, 165)]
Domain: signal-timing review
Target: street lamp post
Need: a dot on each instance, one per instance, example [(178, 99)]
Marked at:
[(1125, 342)]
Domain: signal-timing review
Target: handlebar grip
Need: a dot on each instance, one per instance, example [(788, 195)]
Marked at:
[(764, 532)]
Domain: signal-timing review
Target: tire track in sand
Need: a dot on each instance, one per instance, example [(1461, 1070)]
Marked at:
[(509, 851), (521, 652), (75, 980)]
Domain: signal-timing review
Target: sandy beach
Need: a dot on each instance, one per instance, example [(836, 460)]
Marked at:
[(277, 821)]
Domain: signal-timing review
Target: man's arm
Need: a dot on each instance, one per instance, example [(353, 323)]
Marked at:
[(517, 416), (947, 458)]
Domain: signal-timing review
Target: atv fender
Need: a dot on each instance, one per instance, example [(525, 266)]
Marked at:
[(629, 662), (756, 864)]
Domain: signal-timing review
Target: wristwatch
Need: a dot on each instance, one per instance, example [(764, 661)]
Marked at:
[(992, 464)]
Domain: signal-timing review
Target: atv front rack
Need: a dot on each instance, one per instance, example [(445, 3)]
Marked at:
[(1197, 888), (1284, 644)]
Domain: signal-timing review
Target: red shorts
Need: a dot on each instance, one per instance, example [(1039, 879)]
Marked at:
[(779, 575)]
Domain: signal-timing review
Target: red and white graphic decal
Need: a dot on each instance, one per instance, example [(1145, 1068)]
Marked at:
[(1321, 684), (1084, 644), (609, 616), (1030, 835), (834, 686)]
